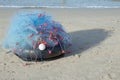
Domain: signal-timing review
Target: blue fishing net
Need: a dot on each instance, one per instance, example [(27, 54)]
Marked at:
[(29, 29)]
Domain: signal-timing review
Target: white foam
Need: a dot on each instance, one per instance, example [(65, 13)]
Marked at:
[(58, 7)]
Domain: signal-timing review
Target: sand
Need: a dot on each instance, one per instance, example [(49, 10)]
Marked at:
[(95, 51)]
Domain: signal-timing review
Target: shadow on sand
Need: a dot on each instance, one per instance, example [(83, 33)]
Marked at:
[(85, 39)]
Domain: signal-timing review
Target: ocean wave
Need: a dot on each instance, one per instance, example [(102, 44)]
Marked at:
[(60, 4)]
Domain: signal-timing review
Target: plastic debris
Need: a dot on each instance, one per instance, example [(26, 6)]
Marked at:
[(30, 29)]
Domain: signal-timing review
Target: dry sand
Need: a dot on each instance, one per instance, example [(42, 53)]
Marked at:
[(95, 51)]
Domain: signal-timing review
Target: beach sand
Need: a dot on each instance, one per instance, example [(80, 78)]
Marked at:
[(95, 50)]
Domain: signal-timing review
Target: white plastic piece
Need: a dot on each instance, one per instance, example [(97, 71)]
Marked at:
[(42, 47)]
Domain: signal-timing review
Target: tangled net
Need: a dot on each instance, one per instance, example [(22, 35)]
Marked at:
[(30, 29)]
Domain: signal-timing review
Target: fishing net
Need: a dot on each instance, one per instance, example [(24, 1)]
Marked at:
[(30, 29)]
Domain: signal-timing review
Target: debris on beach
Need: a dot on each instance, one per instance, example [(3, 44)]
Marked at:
[(34, 35)]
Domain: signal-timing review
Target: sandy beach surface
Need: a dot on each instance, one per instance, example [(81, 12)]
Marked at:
[(95, 52)]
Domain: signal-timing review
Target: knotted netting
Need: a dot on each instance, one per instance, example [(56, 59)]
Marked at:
[(30, 29)]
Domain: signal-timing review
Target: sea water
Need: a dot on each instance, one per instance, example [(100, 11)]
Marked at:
[(61, 3)]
